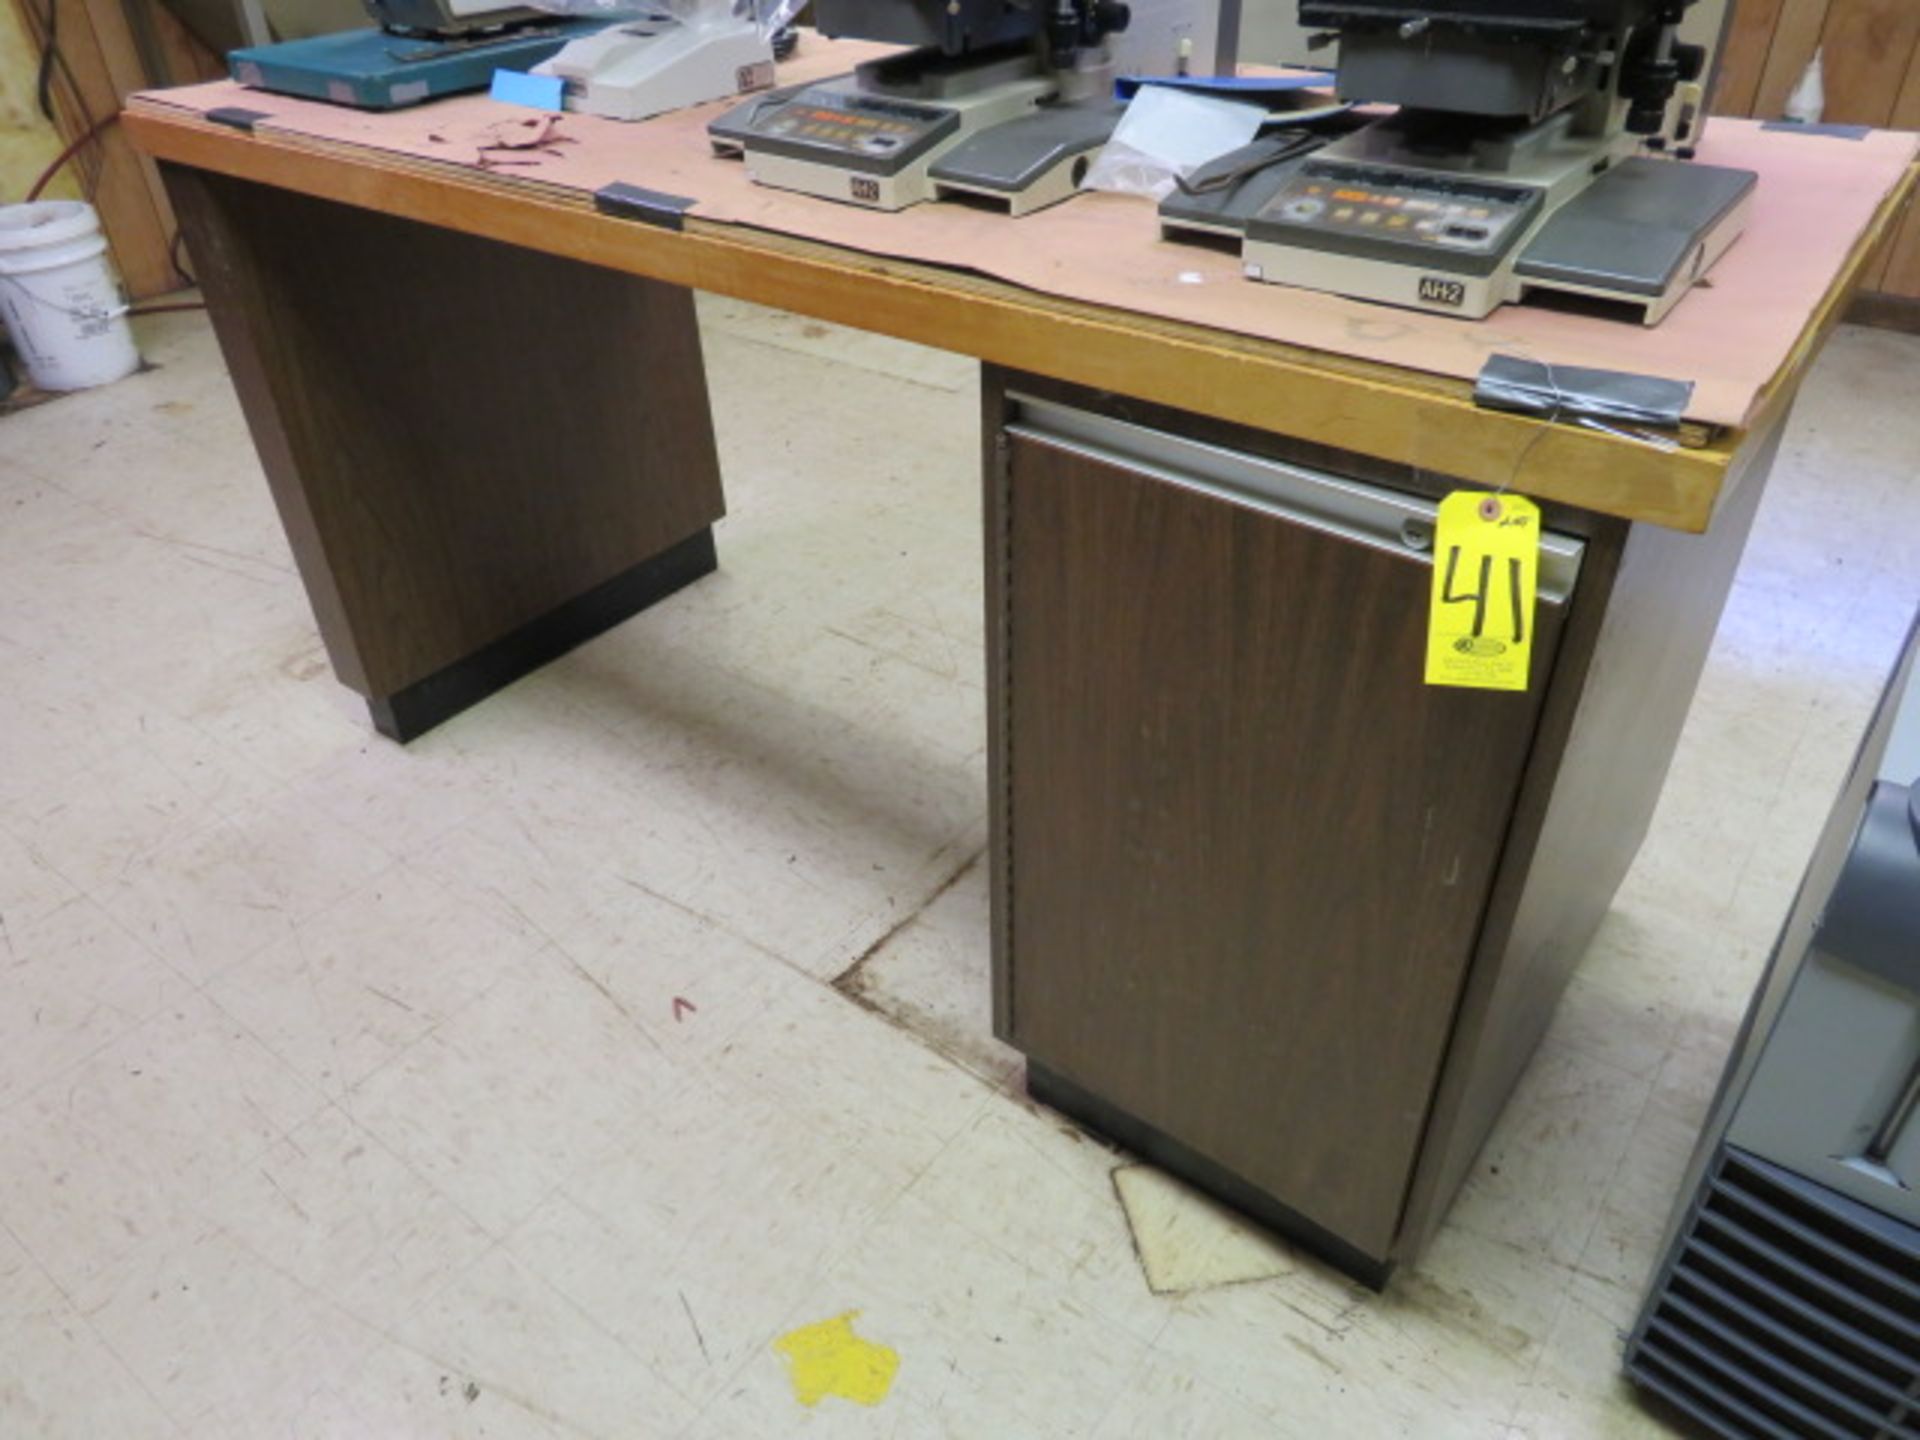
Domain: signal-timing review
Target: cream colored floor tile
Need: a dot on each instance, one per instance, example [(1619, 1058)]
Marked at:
[(215, 896), (821, 342), (1033, 1184), (793, 577), (211, 771), (115, 1158), (81, 1204), (279, 710), (54, 720), (232, 636), (688, 985), (988, 1345), (835, 1069), (94, 827), (143, 612), (1538, 1183), (210, 1327), (510, 1334), (72, 981), (525, 874), (352, 986), (1502, 1300), (1162, 1402), (119, 434), (1322, 1358), (45, 526), (1577, 1391), (1685, 1086), (804, 820), (333, 1209), (893, 683), (30, 888), (512, 1095), (58, 1379), (1639, 1200), (934, 976), (781, 450), (402, 1394), (941, 633), (695, 1239), (805, 866), (567, 807), (1649, 973), (1444, 1352), (210, 497), (399, 798)]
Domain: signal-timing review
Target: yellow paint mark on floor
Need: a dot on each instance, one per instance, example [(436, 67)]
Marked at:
[(827, 1358)]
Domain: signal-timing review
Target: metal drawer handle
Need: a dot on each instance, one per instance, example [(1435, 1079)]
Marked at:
[(1383, 519)]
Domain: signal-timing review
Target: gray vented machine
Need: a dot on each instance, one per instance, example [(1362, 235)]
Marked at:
[(1787, 1304)]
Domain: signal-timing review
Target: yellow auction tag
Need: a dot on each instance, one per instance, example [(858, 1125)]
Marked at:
[(1486, 556)]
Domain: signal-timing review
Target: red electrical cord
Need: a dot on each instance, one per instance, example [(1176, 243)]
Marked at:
[(86, 137)]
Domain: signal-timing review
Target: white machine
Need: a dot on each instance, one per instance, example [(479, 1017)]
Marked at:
[(1514, 164), (998, 103), (660, 62)]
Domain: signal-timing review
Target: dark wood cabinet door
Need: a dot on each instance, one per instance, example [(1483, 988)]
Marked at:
[(1249, 848)]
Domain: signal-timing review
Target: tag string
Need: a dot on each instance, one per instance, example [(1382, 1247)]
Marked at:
[(1557, 409)]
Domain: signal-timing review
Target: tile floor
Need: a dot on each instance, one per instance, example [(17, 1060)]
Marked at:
[(342, 1088)]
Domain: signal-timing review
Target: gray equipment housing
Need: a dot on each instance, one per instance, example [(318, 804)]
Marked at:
[(954, 27), (1518, 59), (1469, 76), (1009, 158), (1787, 1301), (1634, 229)]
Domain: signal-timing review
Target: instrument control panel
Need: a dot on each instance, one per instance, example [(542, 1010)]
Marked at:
[(1425, 216), (851, 129)]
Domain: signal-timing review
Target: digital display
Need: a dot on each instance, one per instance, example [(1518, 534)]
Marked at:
[(1445, 215), (854, 126)]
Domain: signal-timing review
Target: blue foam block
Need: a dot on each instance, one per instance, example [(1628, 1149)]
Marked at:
[(516, 87)]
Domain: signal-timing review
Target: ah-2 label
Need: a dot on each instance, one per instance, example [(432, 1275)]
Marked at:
[(1435, 291)]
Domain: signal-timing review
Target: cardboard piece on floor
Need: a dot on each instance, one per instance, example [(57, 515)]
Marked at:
[(1187, 1241), (1731, 336)]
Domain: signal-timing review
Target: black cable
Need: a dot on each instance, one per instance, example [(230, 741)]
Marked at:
[(49, 51), (51, 58), (1286, 145)]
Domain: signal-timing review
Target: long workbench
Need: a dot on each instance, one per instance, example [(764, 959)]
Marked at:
[(1266, 907)]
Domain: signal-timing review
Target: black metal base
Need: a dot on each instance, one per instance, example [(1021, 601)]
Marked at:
[(1159, 1148), (415, 710)]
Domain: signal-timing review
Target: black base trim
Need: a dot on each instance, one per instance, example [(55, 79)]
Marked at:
[(412, 712), (1053, 1089)]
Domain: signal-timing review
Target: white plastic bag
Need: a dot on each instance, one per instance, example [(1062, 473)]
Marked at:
[(1165, 134), (1808, 102)]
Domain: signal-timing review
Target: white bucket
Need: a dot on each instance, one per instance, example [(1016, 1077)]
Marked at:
[(59, 297)]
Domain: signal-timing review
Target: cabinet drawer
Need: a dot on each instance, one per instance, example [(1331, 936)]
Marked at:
[(1248, 849)]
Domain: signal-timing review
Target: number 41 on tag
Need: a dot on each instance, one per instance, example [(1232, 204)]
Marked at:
[(1486, 558)]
